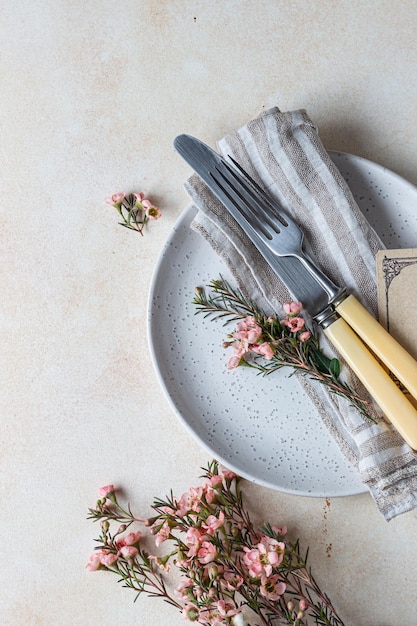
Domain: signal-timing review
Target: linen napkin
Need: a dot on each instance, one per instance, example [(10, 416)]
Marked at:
[(284, 154)]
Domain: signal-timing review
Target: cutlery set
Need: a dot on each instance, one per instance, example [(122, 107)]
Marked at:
[(364, 344)]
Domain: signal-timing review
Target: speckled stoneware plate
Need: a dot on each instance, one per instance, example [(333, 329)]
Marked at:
[(265, 429)]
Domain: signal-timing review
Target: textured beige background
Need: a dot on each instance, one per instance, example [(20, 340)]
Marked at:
[(92, 94)]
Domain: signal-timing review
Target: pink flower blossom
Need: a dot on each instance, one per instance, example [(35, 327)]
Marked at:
[(207, 552), (190, 501), (305, 336), (129, 540), (128, 552), (162, 562), (94, 562), (139, 197), (231, 581), (183, 505), (226, 609), (251, 558), (132, 538), (108, 559), (216, 479), (271, 588), (293, 323), (193, 535), (210, 616), (193, 538), (105, 492), (152, 212), (273, 546), (239, 350), (248, 339), (248, 331), (163, 534), (213, 523), (116, 199), (234, 361), (268, 553), (264, 349), (190, 612), (101, 558), (209, 494), (185, 589), (292, 308)]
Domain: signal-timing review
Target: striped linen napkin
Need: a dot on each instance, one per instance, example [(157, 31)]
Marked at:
[(283, 153)]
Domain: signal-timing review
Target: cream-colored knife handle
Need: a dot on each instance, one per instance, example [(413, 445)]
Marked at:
[(382, 388), (391, 353)]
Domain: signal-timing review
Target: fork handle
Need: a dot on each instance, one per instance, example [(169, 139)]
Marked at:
[(387, 349), (394, 404)]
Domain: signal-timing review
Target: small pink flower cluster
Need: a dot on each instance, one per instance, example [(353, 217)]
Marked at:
[(227, 566), (105, 557), (151, 211), (260, 562), (293, 321), (248, 338), (106, 492), (122, 547), (197, 538), (251, 338), (206, 529)]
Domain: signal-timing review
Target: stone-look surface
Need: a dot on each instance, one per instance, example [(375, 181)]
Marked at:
[(92, 95)]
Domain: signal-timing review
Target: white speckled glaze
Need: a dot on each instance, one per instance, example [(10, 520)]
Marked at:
[(264, 428)]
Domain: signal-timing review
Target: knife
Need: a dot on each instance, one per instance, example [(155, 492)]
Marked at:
[(341, 316)]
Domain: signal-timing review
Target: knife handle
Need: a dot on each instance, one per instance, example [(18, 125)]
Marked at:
[(396, 407), (391, 353)]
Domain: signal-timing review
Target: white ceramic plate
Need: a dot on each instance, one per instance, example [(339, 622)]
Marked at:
[(263, 428)]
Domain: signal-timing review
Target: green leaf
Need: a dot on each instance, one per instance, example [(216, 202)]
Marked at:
[(334, 368), (322, 362)]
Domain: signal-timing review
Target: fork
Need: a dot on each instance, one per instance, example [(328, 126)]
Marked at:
[(269, 221)]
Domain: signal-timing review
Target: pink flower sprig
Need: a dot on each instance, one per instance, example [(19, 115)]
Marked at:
[(268, 343), (107, 507), (134, 209), (231, 573)]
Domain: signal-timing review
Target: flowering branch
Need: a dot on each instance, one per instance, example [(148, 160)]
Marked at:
[(122, 553), (134, 209), (231, 572), (268, 343)]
